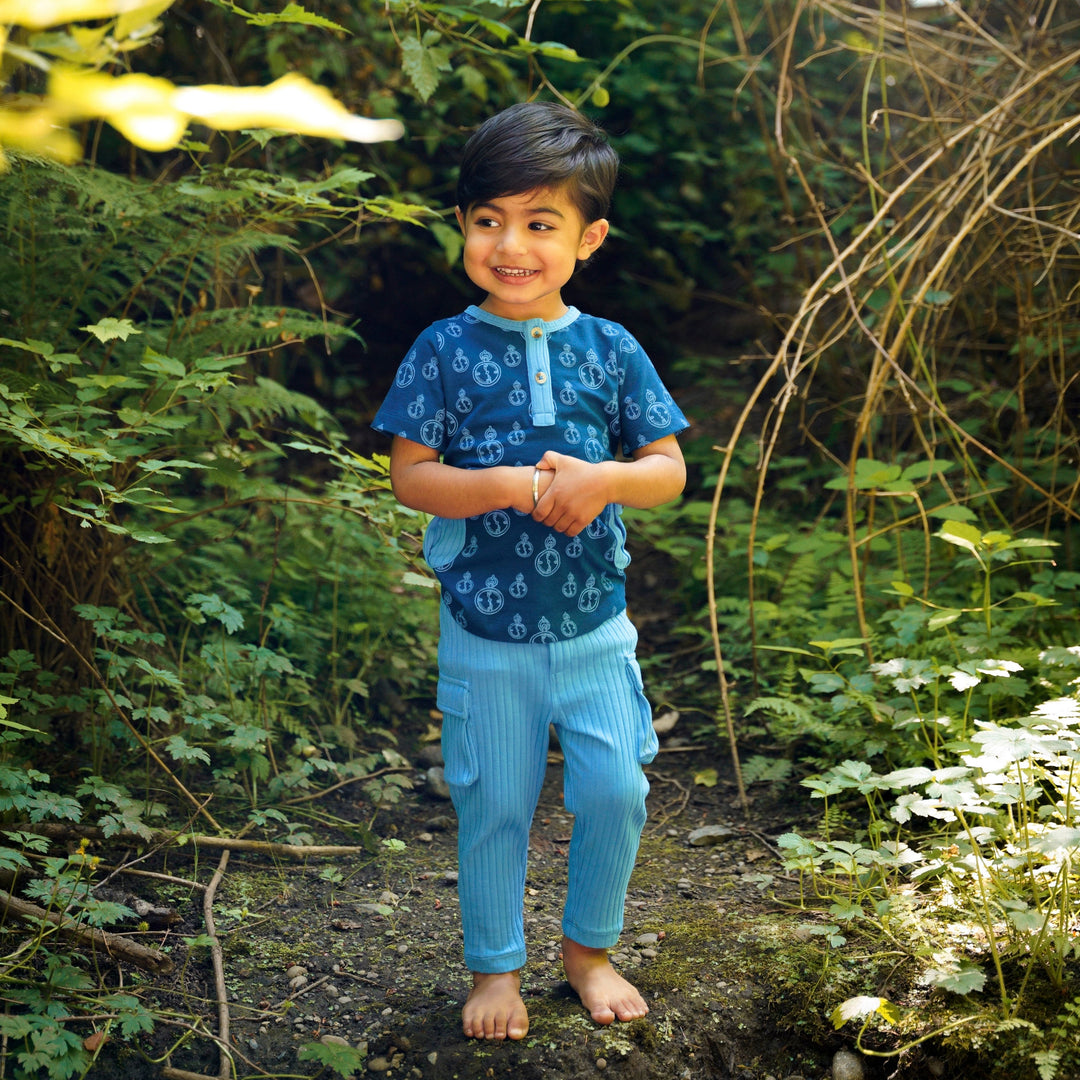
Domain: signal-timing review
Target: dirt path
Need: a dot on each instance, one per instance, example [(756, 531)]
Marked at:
[(368, 954)]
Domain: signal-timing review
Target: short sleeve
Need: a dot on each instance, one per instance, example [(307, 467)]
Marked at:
[(415, 406), (647, 411)]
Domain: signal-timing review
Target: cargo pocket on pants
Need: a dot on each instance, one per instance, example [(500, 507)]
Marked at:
[(649, 744), (459, 751)]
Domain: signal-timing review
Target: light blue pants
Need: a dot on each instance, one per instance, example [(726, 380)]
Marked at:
[(497, 701)]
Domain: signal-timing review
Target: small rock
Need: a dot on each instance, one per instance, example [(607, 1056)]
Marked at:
[(846, 1066), (665, 721), (646, 939), (334, 1040), (403, 949), (439, 823), (708, 834), (294, 971), (685, 885), (298, 983), (601, 1063), (378, 1065), (425, 838), (389, 898), (430, 754), (935, 1066), (436, 782), (450, 877), (253, 1044), (433, 1057), (649, 954)]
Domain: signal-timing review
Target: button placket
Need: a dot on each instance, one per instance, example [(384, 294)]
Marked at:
[(542, 404)]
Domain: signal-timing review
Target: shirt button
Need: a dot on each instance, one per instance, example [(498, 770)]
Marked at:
[(541, 378), (536, 332)]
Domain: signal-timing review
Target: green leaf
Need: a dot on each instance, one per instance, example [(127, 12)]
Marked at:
[(346, 1061), (922, 470), (963, 979), (108, 329), (163, 365), (293, 13), (942, 618), (962, 535), (422, 65)]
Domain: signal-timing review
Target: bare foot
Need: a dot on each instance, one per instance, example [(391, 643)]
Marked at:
[(603, 991), (494, 1009)]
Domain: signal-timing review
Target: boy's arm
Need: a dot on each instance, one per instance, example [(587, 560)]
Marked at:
[(580, 489), (422, 482)]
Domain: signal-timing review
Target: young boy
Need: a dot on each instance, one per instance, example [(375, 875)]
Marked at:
[(507, 422)]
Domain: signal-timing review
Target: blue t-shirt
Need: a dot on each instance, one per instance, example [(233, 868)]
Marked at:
[(484, 391)]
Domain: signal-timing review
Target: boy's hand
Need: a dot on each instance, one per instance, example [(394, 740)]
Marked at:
[(573, 497)]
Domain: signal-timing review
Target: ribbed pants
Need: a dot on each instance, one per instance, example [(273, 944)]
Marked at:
[(497, 701)]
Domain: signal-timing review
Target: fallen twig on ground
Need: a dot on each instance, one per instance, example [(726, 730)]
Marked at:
[(117, 947)]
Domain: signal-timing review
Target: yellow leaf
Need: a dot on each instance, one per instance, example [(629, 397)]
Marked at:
[(140, 107), (37, 130), (38, 14), (142, 16), (706, 777), (292, 103)]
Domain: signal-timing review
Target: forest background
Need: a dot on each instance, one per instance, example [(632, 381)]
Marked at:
[(847, 234)]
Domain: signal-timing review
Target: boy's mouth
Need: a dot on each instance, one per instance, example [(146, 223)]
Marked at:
[(513, 271)]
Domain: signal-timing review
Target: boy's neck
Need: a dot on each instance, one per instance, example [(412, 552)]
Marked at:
[(551, 310)]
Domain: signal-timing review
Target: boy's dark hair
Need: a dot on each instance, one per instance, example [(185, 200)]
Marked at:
[(539, 144)]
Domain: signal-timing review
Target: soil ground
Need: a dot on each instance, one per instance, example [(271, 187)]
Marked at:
[(378, 940)]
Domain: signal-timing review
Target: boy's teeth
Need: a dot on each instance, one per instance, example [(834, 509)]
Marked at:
[(513, 271)]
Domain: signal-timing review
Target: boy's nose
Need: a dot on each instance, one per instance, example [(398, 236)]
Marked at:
[(512, 241)]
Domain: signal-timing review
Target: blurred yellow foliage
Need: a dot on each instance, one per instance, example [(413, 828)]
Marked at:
[(150, 112)]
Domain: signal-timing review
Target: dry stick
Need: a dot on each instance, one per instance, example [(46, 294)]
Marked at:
[(61, 831), (115, 945), (225, 1069), (222, 1038)]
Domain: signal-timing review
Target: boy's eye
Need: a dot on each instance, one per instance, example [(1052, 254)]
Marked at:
[(540, 226)]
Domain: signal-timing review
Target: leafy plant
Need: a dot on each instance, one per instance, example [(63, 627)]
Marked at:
[(978, 812)]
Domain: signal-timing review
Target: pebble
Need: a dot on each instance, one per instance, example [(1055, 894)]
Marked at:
[(388, 897), (430, 754), (294, 971), (649, 954), (298, 982), (433, 1057), (601, 1063), (646, 939), (436, 782), (846, 1066), (709, 834), (439, 823), (425, 838), (334, 1040), (378, 1064)]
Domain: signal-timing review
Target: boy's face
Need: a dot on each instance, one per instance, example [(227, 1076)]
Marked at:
[(522, 249)]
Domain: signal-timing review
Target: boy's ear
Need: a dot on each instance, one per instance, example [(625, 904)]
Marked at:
[(593, 236), (460, 219)]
